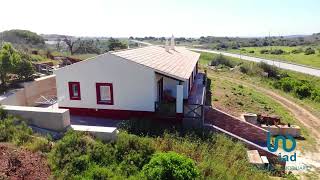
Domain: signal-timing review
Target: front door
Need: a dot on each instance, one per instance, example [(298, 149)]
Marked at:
[(160, 90)]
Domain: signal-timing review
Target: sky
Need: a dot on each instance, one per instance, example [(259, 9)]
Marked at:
[(182, 18)]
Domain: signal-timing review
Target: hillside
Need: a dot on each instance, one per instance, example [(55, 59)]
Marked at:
[(22, 37)]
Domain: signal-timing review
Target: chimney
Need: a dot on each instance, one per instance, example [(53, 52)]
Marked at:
[(172, 43), (167, 45)]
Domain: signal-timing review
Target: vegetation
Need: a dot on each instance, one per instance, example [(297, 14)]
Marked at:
[(11, 62), (306, 55), (230, 94), (221, 60), (170, 165), (22, 37), (79, 156), (301, 86), (170, 156)]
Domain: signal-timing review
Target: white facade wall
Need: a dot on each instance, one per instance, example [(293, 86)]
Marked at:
[(134, 86)]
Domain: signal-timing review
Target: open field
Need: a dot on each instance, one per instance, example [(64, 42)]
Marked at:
[(236, 93), (312, 60)]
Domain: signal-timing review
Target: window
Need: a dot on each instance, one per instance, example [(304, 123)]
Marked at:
[(74, 91), (104, 93)]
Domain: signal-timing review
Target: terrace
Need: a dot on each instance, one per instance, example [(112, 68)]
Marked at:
[(192, 107)]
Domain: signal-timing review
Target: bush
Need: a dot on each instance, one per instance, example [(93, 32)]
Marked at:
[(76, 154), (277, 51), (99, 173), (303, 91), (315, 95), (145, 126), (170, 166), (131, 149), (264, 51), (271, 70), (244, 69), (251, 51), (297, 51), (222, 60), (309, 51), (287, 84), (39, 144), (14, 130)]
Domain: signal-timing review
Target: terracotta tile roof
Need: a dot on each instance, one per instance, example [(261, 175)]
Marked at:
[(178, 63)]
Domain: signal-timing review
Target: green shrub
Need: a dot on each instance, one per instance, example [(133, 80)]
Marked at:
[(132, 149), (287, 84), (271, 70), (39, 144), (303, 91), (66, 151), (315, 95), (251, 51), (277, 51), (99, 173), (264, 51), (244, 68), (222, 60), (297, 51), (309, 51), (3, 114), (146, 126), (169, 166), (14, 130)]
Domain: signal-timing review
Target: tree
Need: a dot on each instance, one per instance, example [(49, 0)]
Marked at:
[(25, 70), (115, 44), (9, 58), (70, 42)]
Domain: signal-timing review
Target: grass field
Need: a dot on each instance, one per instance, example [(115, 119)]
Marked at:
[(300, 58), (235, 98)]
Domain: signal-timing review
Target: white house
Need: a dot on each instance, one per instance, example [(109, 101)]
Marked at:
[(127, 83)]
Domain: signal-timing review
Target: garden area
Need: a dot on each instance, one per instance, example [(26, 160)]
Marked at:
[(167, 156)]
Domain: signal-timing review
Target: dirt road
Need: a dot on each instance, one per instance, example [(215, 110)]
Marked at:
[(306, 159)]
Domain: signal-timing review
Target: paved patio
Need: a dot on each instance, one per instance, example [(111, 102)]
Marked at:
[(93, 121)]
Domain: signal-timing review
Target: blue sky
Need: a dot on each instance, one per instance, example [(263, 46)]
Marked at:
[(189, 18)]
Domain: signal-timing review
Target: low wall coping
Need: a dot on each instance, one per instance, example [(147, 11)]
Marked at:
[(34, 109)]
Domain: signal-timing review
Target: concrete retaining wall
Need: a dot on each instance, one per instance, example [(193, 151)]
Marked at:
[(31, 92), (47, 118)]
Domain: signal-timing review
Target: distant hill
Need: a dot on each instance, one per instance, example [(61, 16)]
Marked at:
[(22, 37)]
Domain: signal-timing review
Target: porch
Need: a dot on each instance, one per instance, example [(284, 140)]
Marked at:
[(194, 107), (191, 107)]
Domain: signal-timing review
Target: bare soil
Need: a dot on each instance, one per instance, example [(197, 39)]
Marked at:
[(17, 163)]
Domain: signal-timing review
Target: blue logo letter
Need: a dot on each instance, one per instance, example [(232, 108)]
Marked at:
[(284, 143)]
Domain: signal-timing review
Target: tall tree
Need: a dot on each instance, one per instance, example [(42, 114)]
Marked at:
[(70, 42)]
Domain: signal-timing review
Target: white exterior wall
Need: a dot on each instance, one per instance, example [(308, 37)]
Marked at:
[(133, 84)]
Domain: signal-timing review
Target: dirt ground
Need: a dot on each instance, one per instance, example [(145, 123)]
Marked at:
[(17, 163)]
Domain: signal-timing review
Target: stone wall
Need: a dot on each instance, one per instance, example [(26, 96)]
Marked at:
[(234, 125)]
